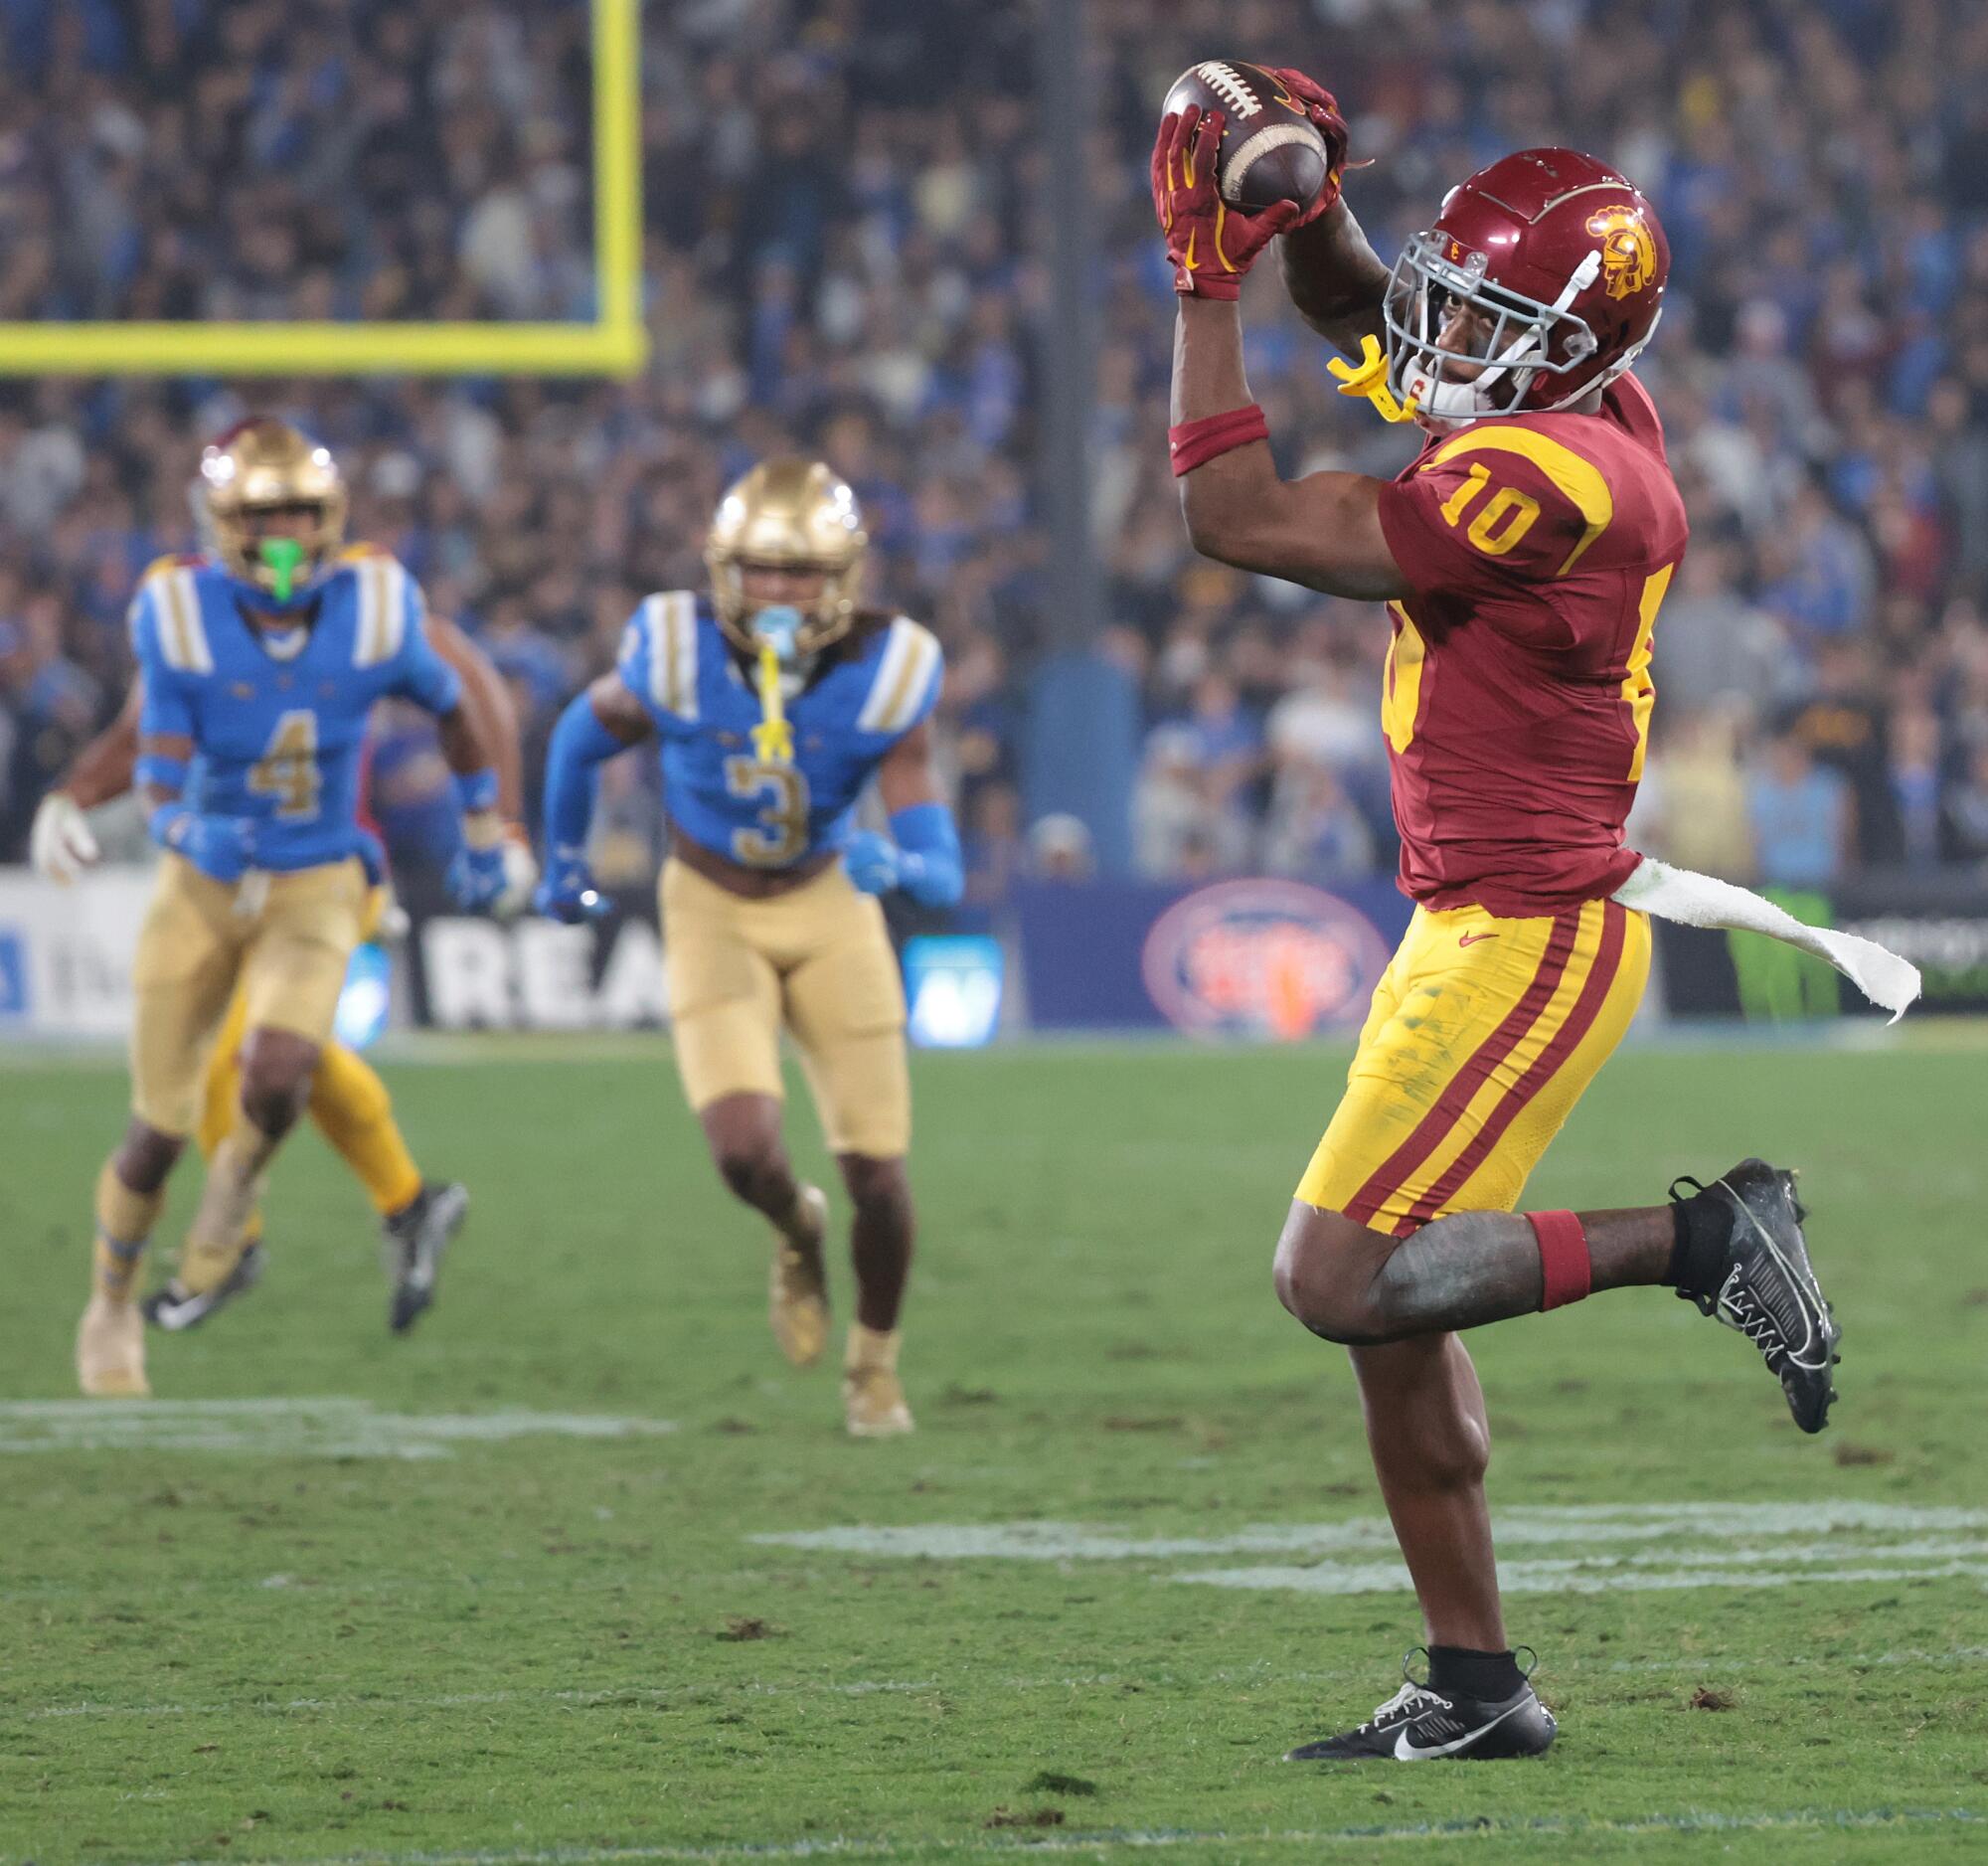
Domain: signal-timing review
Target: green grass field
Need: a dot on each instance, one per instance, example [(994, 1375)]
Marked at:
[(582, 1571)]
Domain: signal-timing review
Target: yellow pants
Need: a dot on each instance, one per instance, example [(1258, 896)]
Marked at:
[(348, 1101), (283, 940), (1482, 1035), (818, 960)]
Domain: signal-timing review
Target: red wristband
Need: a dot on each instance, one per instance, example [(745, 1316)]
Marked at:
[(1567, 1274), (1195, 444)]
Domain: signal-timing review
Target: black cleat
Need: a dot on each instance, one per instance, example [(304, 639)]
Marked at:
[(411, 1245), (176, 1308), (1418, 1725), (1769, 1292)]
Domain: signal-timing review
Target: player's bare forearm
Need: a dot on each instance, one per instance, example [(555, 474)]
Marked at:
[(908, 777), (618, 710), (1334, 278), (104, 767), (463, 745), (1323, 531), (487, 700)]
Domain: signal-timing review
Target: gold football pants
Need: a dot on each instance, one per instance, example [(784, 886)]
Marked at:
[(283, 940), (816, 960)]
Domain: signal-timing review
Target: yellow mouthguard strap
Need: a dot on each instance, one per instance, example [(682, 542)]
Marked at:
[(1369, 378), (773, 738)]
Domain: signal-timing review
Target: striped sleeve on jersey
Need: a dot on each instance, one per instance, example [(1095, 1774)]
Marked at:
[(170, 598), (390, 601), (907, 684)]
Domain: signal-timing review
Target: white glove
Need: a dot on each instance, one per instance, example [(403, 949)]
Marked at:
[(59, 844), (520, 876)]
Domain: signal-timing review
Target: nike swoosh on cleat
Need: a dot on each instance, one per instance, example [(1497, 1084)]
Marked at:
[(1407, 1752), (1807, 1292)]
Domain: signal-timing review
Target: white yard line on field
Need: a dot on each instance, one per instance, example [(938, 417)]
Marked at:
[(1259, 1674), (328, 1425), (1797, 1820)]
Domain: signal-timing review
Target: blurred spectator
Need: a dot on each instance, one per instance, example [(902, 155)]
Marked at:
[(843, 250), (1059, 848), (1800, 815)]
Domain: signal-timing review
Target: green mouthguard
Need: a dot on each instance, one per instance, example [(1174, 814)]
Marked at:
[(283, 555)]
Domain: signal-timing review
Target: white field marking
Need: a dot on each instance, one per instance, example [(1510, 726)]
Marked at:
[(1262, 1672), (331, 1427), (1554, 1578), (1583, 1523), (1751, 1545), (976, 1847)]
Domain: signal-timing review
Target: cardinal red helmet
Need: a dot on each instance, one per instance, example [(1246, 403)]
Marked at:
[(1565, 260)]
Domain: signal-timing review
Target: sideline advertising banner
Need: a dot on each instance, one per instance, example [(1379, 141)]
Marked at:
[(65, 952), (1941, 925), (1231, 958)]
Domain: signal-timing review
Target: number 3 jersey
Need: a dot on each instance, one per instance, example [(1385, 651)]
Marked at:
[(874, 686), (1518, 690), (279, 721)]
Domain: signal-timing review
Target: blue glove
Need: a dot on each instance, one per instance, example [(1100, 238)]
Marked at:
[(567, 892), (220, 847), (872, 861), (476, 876)]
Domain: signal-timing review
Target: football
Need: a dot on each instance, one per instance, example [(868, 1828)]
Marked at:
[(1270, 149)]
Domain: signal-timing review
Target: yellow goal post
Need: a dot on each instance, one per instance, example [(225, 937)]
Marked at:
[(615, 343)]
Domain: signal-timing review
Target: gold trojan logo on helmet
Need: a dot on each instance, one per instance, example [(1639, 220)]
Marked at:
[(791, 515), (261, 466), (1628, 253)]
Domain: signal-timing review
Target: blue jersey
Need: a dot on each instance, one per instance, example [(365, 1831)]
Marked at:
[(675, 659), (278, 722)]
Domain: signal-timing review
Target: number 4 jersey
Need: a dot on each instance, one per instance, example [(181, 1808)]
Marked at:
[(1517, 693), (874, 685), (279, 720)]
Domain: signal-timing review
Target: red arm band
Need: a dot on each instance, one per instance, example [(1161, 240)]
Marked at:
[(1195, 444)]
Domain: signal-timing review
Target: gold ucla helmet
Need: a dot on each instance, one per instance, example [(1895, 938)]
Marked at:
[(795, 515), (259, 465)]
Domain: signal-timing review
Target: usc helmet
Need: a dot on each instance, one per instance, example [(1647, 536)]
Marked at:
[(794, 515), (262, 466), (1566, 259)]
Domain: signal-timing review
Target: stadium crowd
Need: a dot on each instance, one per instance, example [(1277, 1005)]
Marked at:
[(845, 252)]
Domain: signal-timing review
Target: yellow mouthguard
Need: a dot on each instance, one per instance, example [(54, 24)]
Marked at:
[(774, 737), (1369, 378)]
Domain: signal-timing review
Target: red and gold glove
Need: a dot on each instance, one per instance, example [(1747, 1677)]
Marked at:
[(1323, 109), (1210, 243)]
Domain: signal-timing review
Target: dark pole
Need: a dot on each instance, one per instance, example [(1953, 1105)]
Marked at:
[(1070, 359)]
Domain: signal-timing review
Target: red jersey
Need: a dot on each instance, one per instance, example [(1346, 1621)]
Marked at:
[(1518, 694)]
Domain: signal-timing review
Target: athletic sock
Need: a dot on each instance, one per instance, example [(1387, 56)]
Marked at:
[(349, 1104), (233, 1190), (124, 1220), (1702, 1229), (871, 1348), (1458, 1671)]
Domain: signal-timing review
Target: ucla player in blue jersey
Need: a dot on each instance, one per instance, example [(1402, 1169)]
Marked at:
[(776, 700), (259, 659)]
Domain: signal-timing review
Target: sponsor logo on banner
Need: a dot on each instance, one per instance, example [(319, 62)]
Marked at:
[(534, 975), (65, 952), (1259, 959)]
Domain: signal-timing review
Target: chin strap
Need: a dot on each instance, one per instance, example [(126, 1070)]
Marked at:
[(774, 737), (1369, 378)]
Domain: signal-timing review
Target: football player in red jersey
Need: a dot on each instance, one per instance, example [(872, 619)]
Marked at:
[(1523, 556)]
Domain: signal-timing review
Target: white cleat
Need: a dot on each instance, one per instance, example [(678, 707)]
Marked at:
[(873, 1402), (111, 1350), (797, 1296)]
